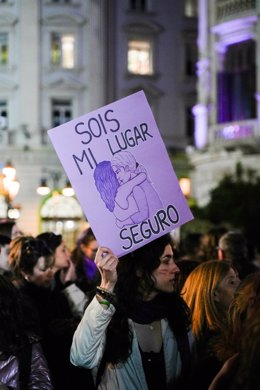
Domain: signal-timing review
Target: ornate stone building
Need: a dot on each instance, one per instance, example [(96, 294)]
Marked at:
[(60, 59), (227, 114)]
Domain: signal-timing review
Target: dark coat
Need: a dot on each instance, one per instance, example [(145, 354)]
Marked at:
[(52, 320), (39, 376)]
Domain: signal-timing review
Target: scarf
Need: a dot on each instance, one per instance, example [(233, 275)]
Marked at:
[(160, 307)]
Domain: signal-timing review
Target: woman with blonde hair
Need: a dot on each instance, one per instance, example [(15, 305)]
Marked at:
[(242, 310), (208, 291), (241, 371), (241, 331)]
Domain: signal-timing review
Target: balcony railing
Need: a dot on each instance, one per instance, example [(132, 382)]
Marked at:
[(226, 9), (235, 133)]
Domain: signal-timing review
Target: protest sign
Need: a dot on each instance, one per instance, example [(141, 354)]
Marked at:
[(119, 168)]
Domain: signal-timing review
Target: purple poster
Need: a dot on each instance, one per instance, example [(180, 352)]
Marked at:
[(119, 168)]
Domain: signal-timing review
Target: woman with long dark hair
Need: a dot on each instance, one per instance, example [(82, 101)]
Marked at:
[(135, 332), (20, 350), (32, 263)]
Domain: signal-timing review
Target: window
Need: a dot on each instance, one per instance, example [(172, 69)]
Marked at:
[(140, 58), (3, 48), (3, 114), (191, 57), (61, 1), (189, 123), (61, 112), (191, 8), (138, 5), (236, 84), (63, 50)]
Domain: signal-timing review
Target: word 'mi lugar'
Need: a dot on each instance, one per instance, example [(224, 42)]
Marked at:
[(99, 126)]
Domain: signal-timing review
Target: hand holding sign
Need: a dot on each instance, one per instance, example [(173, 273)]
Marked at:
[(107, 262)]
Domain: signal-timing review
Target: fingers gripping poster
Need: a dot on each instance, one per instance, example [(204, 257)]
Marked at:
[(119, 168)]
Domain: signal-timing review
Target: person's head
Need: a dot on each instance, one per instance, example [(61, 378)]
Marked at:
[(208, 291), (123, 164), (12, 318), (232, 246), (10, 229), (150, 269), (32, 260), (244, 308), (56, 244), (4, 251), (106, 183), (209, 243), (246, 302), (88, 244)]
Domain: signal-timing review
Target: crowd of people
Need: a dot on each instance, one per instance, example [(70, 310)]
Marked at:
[(167, 316)]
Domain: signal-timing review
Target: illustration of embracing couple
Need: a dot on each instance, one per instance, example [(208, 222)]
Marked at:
[(126, 189)]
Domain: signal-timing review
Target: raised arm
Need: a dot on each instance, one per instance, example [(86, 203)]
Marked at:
[(89, 338), (125, 214)]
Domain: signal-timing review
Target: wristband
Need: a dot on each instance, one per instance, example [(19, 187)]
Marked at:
[(103, 301), (106, 295)]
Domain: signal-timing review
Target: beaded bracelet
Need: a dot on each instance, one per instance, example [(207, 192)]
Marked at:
[(106, 295), (99, 288)]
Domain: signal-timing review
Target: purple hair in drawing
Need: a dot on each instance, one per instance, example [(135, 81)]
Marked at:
[(106, 183)]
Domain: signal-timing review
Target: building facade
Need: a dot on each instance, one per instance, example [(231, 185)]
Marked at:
[(60, 59), (227, 114)]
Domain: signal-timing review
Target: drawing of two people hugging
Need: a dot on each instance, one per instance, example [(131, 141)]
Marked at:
[(126, 190)]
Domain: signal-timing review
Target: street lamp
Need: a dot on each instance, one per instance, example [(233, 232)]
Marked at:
[(43, 189), (9, 188), (68, 190), (9, 171)]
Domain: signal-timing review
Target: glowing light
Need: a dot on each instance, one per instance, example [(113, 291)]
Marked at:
[(9, 171), (69, 225), (184, 183), (68, 190), (13, 213), (43, 188)]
